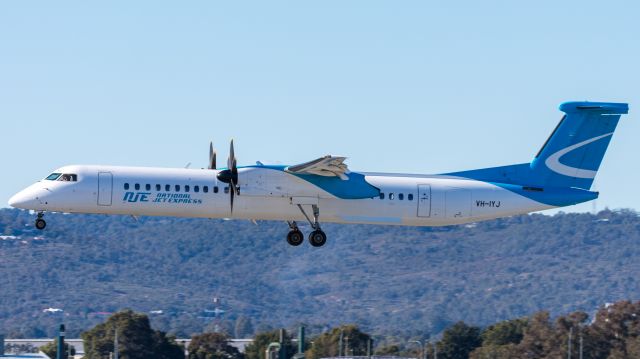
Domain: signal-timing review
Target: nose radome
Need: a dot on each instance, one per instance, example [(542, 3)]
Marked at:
[(15, 200), (12, 201), (23, 199)]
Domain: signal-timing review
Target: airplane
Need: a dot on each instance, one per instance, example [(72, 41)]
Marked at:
[(560, 174)]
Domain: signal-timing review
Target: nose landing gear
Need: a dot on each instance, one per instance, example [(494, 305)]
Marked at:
[(40, 223)]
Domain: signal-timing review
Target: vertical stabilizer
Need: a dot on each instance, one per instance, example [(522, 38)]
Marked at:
[(572, 154)]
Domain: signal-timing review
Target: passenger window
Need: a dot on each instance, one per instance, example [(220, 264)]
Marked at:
[(126, 186), (196, 189), (391, 195), (410, 197), (401, 196), (167, 188), (186, 188), (177, 188), (205, 189), (137, 186), (381, 195), (215, 189), (226, 190), (53, 176), (147, 187), (158, 188)]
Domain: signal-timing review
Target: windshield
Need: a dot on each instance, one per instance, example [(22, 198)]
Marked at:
[(64, 177)]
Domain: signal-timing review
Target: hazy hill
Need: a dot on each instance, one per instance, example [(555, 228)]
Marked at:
[(390, 280)]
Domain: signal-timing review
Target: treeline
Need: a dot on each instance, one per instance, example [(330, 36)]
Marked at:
[(614, 333)]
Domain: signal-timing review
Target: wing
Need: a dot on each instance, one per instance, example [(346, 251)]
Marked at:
[(328, 166)]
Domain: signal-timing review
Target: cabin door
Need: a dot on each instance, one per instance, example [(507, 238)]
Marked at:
[(105, 188), (424, 200)]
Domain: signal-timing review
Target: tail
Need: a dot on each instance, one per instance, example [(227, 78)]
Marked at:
[(572, 154)]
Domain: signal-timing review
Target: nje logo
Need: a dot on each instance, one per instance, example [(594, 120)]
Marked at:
[(136, 196), (174, 198)]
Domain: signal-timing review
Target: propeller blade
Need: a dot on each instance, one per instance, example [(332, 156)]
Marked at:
[(212, 157), (232, 157), (234, 173), (232, 193), (230, 175)]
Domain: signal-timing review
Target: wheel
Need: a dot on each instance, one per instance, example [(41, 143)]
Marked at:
[(295, 237), (40, 223), (317, 238)]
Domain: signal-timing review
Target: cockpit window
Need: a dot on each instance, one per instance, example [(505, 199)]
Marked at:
[(53, 176), (68, 177)]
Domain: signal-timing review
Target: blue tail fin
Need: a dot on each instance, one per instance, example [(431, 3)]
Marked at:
[(573, 153)]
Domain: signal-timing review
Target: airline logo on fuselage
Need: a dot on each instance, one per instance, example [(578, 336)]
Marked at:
[(177, 198)]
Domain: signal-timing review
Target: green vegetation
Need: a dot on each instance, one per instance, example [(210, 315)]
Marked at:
[(458, 341), (354, 343), (504, 333), (136, 339), (613, 333), (212, 346), (51, 349), (261, 341), (390, 350), (394, 282)]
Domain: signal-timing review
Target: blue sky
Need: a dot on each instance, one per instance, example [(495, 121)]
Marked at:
[(419, 87)]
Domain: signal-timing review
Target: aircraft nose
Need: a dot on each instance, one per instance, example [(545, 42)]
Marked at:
[(24, 199)]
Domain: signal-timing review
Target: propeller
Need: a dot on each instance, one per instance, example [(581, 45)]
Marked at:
[(230, 175), (212, 157)]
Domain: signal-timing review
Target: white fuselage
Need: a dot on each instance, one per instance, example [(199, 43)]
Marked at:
[(271, 194)]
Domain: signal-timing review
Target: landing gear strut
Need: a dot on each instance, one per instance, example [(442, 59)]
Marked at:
[(317, 238), (40, 223), (295, 236)]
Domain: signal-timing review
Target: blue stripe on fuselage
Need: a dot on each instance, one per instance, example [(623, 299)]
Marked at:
[(356, 187)]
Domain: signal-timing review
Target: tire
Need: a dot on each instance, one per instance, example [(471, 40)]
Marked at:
[(295, 238), (317, 238), (40, 224)]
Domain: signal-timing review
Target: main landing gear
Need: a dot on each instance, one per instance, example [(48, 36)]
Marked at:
[(317, 238), (295, 236), (40, 223)]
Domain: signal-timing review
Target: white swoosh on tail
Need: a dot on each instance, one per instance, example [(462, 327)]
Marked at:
[(553, 161)]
